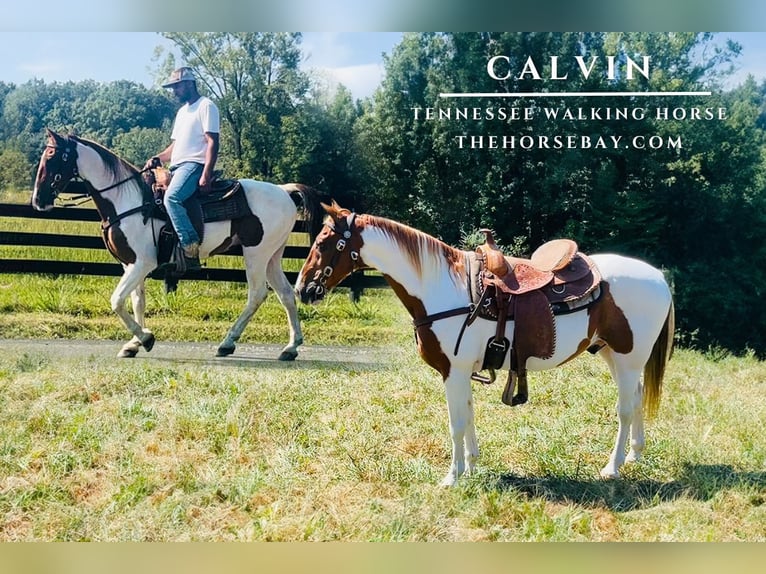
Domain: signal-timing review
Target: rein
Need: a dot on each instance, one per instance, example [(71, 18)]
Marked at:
[(428, 320)]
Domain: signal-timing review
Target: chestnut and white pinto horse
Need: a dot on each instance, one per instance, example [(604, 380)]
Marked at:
[(120, 196), (431, 278)]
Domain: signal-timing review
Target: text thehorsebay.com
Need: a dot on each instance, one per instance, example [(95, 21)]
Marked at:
[(559, 117)]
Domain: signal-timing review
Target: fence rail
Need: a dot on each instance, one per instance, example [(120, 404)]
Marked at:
[(356, 282)]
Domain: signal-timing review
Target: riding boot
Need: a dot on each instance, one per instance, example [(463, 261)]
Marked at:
[(191, 257), (184, 259)]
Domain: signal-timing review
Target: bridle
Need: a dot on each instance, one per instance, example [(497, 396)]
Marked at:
[(68, 171), (320, 281), (67, 159)]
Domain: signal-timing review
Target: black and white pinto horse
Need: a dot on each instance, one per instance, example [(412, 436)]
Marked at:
[(120, 195), (633, 324)]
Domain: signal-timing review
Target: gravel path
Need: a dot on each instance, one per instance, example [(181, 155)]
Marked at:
[(186, 352)]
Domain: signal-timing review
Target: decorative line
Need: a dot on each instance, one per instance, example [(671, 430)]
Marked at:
[(563, 94)]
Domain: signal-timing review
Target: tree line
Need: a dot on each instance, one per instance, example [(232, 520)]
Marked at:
[(668, 183)]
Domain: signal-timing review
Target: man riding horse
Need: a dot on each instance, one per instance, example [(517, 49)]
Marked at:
[(192, 155)]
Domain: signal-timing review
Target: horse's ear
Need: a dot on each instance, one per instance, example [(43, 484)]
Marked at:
[(334, 209)]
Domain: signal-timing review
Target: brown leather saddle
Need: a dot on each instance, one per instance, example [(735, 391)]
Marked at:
[(224, 201), (555, 280)]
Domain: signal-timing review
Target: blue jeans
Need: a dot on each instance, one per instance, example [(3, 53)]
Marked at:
[(182, 185)]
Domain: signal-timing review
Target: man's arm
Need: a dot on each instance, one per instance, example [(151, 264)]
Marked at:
[(211, 156), (163, 156)]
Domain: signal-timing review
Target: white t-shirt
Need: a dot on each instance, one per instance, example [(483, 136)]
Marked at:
[(192, 121)]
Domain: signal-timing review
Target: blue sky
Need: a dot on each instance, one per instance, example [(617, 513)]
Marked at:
[(352, 58), (753, 58)]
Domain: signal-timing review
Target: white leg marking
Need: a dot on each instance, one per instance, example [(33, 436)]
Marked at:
[(284, 292), (129, 283), (628, 389), (637, 436), (461, 423)]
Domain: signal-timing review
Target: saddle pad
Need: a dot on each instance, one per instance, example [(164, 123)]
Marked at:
[(225, 206)]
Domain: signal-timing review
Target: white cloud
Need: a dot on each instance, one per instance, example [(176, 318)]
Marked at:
[(324, 49), (352, 59), (361, 80)]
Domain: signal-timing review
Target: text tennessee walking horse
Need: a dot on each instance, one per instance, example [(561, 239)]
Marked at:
[(131, 231), (631, 323)]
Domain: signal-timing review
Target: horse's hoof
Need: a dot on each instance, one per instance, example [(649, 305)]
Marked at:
[(608, 474), (288, 356), (127, 353), (148, 343), (518, 400), (449, 481), (224, 351), (633, 456)]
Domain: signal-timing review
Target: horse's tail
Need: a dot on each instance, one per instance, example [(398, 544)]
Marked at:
[(654, 370), (309, 199)]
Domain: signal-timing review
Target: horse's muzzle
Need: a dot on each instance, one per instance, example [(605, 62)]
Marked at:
[(38, 207), (311, 293)]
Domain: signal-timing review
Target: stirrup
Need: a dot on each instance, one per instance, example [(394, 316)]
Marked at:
[(168, 266), (192, 264), (180, 267), (484, 380)]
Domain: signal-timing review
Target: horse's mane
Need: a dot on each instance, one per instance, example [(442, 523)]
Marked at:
[(114, 163), (418, 245)]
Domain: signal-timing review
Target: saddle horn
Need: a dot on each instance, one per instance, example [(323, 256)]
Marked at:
[(489, 238)]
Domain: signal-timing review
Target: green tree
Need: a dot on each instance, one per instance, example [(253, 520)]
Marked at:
[(23, 117), (687, 209), (140, 143), (255, 80), (115, 108), (318, 145), (100, 111), (16, 172)]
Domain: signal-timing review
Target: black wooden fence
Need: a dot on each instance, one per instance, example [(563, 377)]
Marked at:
[(356, 282)]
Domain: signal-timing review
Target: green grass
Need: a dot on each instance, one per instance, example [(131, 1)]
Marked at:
[(213, 450), (78, 307)]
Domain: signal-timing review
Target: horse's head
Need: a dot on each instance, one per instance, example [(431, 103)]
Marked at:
[(333, 256), (58, 165)]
